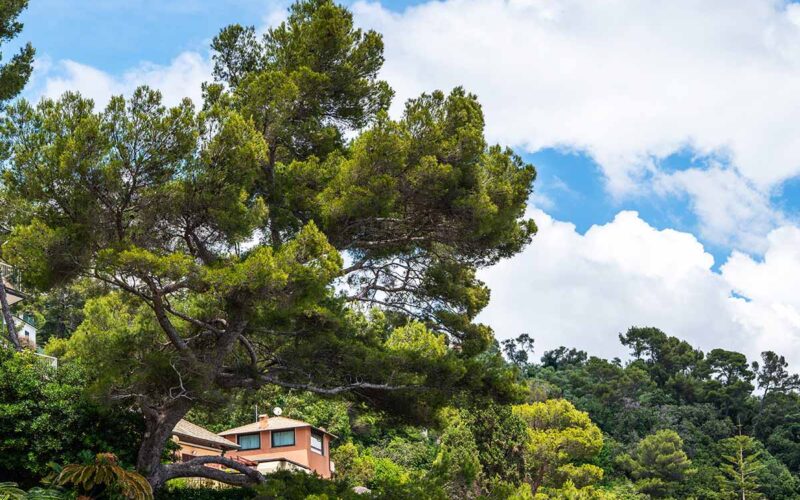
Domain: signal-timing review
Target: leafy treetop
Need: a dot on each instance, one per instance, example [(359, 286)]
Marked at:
[(249, 244), (15, 73)]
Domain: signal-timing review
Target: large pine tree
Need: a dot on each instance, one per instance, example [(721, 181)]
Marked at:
[(291, 233)]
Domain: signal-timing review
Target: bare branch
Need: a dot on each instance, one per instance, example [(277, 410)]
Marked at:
[(249, 348), (196, 322), (166, 324), (228, 380), (183, 393), (356, 266)]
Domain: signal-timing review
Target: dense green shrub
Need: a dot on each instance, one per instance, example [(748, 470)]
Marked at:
[(46, 417)]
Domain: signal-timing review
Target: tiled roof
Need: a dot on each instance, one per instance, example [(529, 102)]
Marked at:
[(187, 429), (273, 424)]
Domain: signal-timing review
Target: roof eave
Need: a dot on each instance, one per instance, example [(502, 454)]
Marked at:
[(207, 442), (233, 432)]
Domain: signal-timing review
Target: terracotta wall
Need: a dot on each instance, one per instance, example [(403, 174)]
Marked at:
[(195, 450), (321, 463), (300, 452)]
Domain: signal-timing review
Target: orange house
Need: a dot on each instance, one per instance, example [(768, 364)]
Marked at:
[(280, 443), (195, 441)]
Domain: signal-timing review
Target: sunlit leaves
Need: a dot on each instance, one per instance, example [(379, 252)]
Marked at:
[(559, 438)]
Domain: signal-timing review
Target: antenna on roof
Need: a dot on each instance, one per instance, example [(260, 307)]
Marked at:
[(256, 412), (277, 411)]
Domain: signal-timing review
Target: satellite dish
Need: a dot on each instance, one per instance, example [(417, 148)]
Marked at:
[(277, 411)]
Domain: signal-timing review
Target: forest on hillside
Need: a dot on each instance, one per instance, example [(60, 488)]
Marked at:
[(673, 422), (289, 242)]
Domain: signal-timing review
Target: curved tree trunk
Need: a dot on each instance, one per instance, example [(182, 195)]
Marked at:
[(159, 424)]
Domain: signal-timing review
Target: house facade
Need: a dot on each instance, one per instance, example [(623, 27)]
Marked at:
[(195, 441), (280, 443), (26, 332)]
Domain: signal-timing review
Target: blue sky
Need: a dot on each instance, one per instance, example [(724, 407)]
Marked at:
[(118, 34), (682, 113)]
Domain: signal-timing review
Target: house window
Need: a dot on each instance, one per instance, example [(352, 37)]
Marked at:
[(317, 441), (249, 441), (282, 438)]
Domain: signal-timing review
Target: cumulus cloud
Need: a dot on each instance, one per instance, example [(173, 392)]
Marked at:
[(582, 290), (181, 78), (731, 211), (770, 290), (627, 82)]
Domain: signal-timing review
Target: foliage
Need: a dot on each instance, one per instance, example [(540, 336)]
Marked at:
[(10, 491), (518, 349), (559, 438), (562, 357), (292, 244), (15, 73), (175, 490), (500, 436), (658, 464), (568, 491), (669, 361), (104, 477), (740, 467), (220, 236), (359, 468), (773, 375), (59, 312), (300, 486), (45, 416), (457, 464)]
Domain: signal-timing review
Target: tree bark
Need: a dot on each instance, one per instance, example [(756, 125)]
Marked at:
[(243, 476), (159, 424), (269, 173), (8, 319)]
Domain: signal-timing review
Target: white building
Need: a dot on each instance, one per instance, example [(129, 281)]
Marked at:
[(25, 329), (26, 332)]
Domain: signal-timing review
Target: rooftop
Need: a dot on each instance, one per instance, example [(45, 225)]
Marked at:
[(186, 429), (273, 424)]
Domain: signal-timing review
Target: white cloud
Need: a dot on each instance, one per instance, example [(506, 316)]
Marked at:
[(627, 81), (181, 78), (776, 279), (731, 211), (582, 290)]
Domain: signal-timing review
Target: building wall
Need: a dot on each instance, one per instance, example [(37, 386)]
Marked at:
[(26, 331), (301, 451), (320, 462), (195, 450), (279, 465)]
